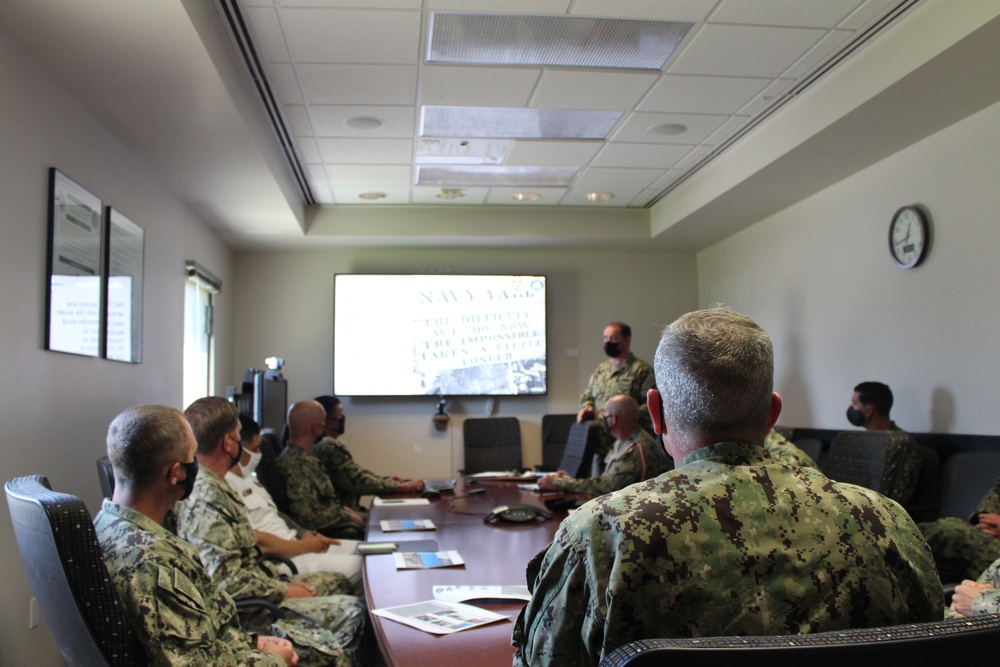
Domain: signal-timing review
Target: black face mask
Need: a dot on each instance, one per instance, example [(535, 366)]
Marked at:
[(343, 420), (612, 349), (188, 482), (235, 460), (855, 416)]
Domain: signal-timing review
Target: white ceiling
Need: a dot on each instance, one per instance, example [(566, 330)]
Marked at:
[(777, 98)]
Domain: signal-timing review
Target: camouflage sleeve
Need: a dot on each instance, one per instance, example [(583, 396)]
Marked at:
[(990, 504), (624, 470), (312, 501), (560, 625), (347, 476), (588, 398)]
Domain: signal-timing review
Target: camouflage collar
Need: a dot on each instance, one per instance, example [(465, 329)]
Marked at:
[(726, 453)]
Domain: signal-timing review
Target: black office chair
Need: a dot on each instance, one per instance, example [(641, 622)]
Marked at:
[(579, 454), (935, 642), (927, 498), (555, 433), (965, 478), (267, 470), (864, 458), (491, 443), (68, 576), (106, 476), (813, 448)]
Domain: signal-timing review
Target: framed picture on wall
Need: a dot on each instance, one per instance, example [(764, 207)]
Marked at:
[(123, 298), (75, 295)]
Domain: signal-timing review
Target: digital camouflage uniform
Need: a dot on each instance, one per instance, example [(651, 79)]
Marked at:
[(904, 490), (179, 614), (729, 543), (623, 466), (784, 450), (214, 521), (633, 378), (961, 550), (350, 480), (312, 501), (988, 602)]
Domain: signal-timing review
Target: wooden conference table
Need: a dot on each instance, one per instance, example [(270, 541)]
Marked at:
[(494, 554)]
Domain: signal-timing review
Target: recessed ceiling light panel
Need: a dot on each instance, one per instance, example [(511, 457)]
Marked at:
[(364, 123), (516, 123), (563, 41), (469, 176)]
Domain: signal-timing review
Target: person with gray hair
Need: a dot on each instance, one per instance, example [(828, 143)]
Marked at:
[(730, 542), (179, 614)]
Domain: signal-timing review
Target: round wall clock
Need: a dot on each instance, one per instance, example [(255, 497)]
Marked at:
[(908, 237)]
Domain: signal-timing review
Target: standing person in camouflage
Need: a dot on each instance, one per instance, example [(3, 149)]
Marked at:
[(181, 617), (784, 450), (634, 457), (349, 479), (964, 548), (623, 373), (215, 522), (313, 501), (730, 542), (869, 409)]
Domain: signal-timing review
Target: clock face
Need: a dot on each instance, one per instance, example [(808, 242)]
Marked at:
[(908, 237)]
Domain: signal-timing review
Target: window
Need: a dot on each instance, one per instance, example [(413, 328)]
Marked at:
[(199, 343)]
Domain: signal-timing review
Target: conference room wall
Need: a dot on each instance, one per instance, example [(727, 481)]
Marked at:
[(56, 407), (818, 276), (284, 306)]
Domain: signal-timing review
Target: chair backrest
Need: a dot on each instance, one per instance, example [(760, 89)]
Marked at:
[(863, 458), (106, 476), (578, 457), (267, 470), (965, 478), (68, 575), (936, 642), (491, 443), (924, 505), (813, 448), (555, 433)]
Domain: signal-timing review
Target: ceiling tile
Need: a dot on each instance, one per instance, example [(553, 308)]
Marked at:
[(516, 123), (659, 156), (352, 36), (284, 83), (726, 130), (448, 85), (309, 150), (826, 46), (552, 153), (331, 121), (625, 184), (509, 6), (358, 84), (702, 94), (565, 89), (767, 97), (866, 13), (371, 176), (636, 128), (650, 10), (366, 151), (734, 50), (267, 35), (298, 120), (797, 13)]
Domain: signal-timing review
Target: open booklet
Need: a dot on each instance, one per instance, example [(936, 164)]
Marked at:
[(419, 560), (466, 593), (439, 618)]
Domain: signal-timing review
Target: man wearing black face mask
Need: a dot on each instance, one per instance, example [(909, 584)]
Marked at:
[(350, 479), (870, 406), (623, 373), (215, 522), (178, 612)]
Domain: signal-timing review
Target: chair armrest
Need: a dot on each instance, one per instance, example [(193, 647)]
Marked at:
[(348, 531), (284, 560)]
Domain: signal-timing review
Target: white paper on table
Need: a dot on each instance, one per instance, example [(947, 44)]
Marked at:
[(439, 618), (464, 593)]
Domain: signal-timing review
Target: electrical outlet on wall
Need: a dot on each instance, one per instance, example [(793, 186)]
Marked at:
[(33, 615)]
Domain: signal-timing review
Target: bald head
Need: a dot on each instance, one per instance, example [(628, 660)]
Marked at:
[(621, 414), (306, 420)]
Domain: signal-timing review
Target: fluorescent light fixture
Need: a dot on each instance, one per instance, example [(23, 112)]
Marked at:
[(516, 123), (461, 151), (599, 196), (562, 41), (502, 176), (450, 193), (526, 196), (372, 196)]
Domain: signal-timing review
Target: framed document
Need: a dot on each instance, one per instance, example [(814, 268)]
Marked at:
[(75, 298), (123, 323)]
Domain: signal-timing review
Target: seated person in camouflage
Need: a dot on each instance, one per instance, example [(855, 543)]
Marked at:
[(349, 479), (870, 406), (623, 373), (309, 550), (975, 598), (730, 542), (784, 450), (179, 614), (312, 501), (634, 457), (964, 548), (214, 521)]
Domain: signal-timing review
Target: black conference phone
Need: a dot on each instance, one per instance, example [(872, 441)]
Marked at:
[(516, 513)]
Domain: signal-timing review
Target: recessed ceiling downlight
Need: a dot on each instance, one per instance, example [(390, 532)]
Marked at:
[(526, 196), (668, 129), (599, 196), (364, 123), (372, 196)]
